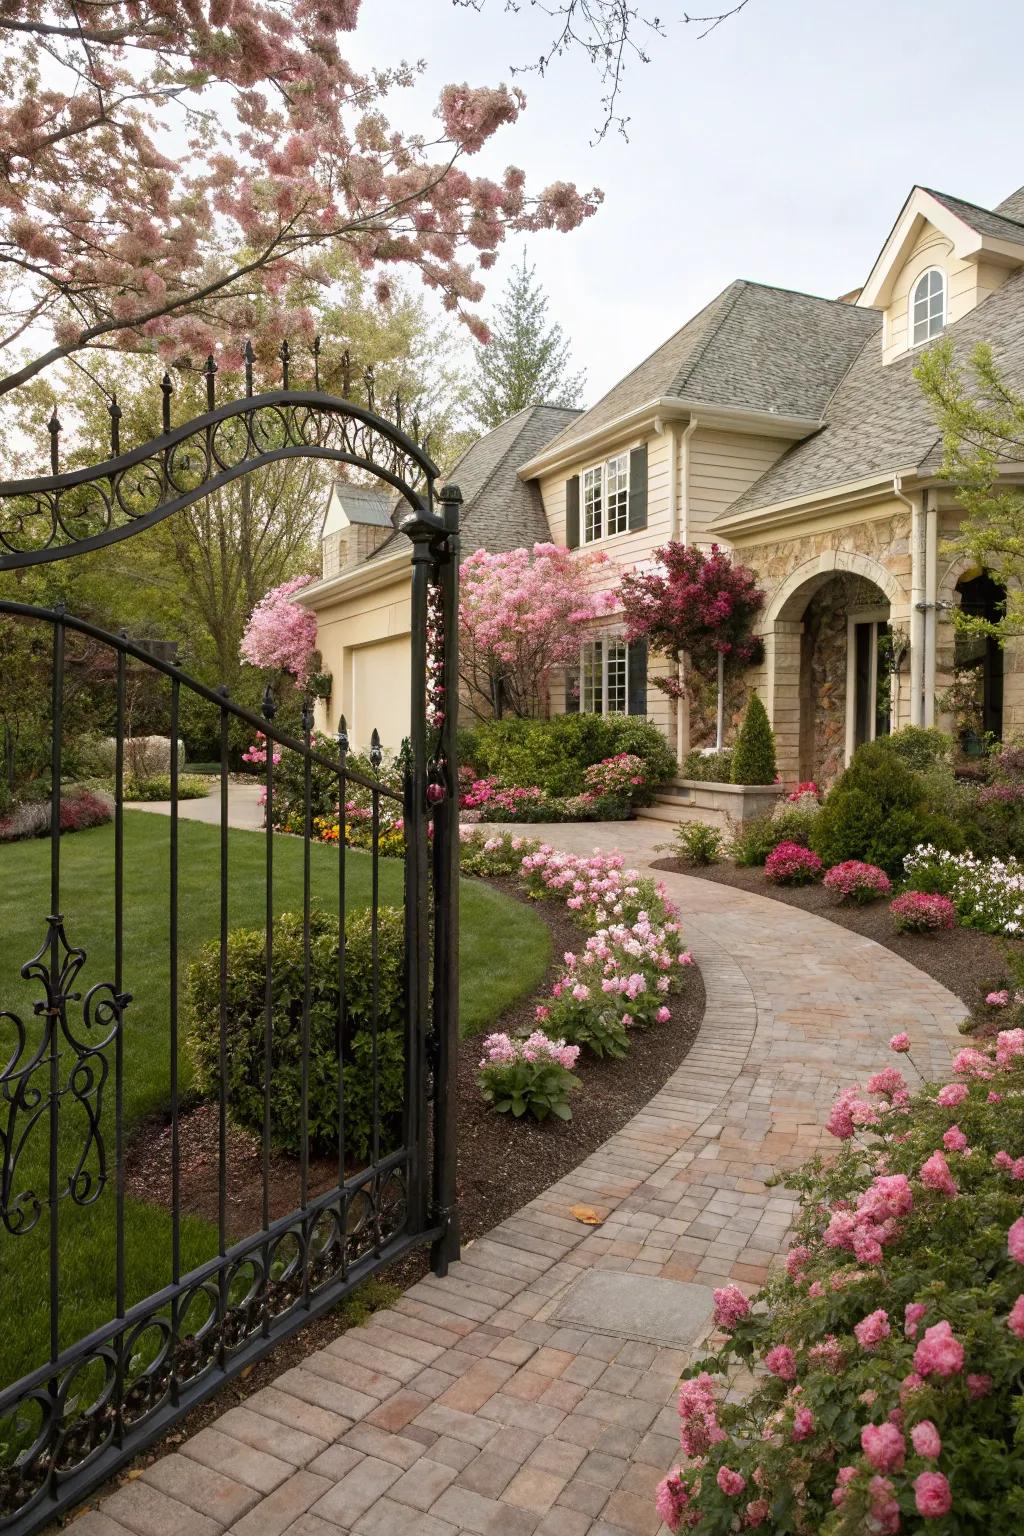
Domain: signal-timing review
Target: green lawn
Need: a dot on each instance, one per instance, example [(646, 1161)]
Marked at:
[(505, 950)]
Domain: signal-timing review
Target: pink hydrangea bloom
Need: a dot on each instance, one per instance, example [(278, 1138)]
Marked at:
[(926, 1440), (936, 1175), (731, 1306), (1009, 1045), (912, 1315), (939, 1353), (699, 1427), (978, 1385), (997, 999), (911, 1383), (757, 1512), (884, 1447), (873, 1329), (803, 1424), (782, 1362), (663, 1015), (972, 1063), (844, 1476), (900, 1043), (932, 1496), (954, 1139), (889, 1081), (796, 1258), (1015, 1321), (828, 1354), (883, 1507), (730, 1482), (1015, 1241), (952, 1094)]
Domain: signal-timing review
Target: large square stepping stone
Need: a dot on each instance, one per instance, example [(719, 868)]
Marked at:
[(669, 1312)]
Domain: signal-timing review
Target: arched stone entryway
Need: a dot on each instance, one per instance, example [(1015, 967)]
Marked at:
[(834, 649)]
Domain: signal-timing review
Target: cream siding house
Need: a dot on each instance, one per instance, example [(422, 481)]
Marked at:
[(790, 429)]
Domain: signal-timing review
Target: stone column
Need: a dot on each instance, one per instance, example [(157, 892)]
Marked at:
[(782, 693)]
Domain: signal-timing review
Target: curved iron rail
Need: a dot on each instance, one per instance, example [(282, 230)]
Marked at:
[(50, 517)]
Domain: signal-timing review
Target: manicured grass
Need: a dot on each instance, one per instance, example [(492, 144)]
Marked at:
[(505, 950)]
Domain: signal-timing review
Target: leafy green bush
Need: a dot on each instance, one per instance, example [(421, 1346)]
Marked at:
[(555, 754), (698, 843), (245, 1028), (157, 786), (708, 767), (753, 758), (532, 1076), (919, 746), (878, 811), (756, 838)]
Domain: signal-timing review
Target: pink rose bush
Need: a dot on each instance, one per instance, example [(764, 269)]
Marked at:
[(887, 1357), (919, 912), (858, 882), (790, 864)]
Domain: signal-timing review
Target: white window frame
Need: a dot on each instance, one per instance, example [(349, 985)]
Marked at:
[(610, 481), (874, 617), (594, 691), (912, 306)]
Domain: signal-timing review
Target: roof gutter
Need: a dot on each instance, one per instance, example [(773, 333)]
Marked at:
[(667, 408), (359, 578)]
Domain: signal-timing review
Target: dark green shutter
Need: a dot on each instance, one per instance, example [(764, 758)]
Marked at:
[(572, 513), (638, 488), (636, 663)]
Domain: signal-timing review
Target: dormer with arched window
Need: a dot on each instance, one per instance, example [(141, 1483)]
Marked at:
[(927, 318), (943, 258)]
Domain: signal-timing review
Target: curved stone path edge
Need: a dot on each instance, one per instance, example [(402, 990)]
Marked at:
[(532, 1391)]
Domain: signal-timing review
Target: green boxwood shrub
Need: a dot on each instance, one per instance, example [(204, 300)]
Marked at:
[(919, 746), (878, 810), (753, 758), (245, 1029), (554, 754), (708, 767)]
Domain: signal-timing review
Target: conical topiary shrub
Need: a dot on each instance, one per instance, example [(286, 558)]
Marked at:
[(753, 758)]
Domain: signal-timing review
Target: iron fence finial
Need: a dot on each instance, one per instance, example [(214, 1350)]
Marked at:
[(376, 750), (210, 371), (284, 354), (247, 353), (316, 363), (167, 390), (53, 426), (115, 426), (343, 736), (268, 709)]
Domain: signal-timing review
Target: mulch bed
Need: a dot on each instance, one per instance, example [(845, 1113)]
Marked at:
[(502, 1165), (968, 963)]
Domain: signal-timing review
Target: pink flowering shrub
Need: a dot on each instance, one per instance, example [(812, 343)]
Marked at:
[(532, 1076), (919, 912), (280, 633), (493, 855), (621, 777), (80, 808), (857, 882), (888, 1358), (804, 793), (790, 864)]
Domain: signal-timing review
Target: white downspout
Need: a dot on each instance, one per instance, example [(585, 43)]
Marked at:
[(679, 530), (917, 599), (931, 593)]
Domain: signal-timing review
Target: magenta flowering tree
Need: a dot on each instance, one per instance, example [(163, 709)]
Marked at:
[(520, 617), (280, 633), (888, 1358), (175, 172), (698, 605)]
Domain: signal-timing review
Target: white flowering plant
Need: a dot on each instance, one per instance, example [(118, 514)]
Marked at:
[(988, 893)]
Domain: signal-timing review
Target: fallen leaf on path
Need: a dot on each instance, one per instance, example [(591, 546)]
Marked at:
[(586, 1214)]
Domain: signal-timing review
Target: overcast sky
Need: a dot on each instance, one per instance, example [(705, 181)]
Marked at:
[(780, 148)]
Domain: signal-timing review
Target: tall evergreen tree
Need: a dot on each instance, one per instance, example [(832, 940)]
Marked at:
[(527, 361)]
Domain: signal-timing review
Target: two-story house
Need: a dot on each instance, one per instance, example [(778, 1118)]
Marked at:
[(790, 429)]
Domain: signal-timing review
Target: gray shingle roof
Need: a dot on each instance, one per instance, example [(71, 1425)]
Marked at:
[(878, 421), (1012, 207), (755, 347), (363, 504), (998, 224), (500, 511)]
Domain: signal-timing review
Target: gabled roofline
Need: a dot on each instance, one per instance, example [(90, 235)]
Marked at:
[(358, 578), (968, 245), (813, 503), (669, 408)]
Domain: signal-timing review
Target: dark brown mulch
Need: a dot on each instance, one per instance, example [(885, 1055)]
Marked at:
[(502, 1165), (967, 962)]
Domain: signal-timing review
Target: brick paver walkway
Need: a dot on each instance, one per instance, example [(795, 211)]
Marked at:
[(469, 1406)]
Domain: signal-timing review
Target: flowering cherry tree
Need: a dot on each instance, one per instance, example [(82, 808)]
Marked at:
[(280, 633), (695, 604), (520, 616), (173, 170)]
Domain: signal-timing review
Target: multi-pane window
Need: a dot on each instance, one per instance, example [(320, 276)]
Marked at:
[(606, 499), (604, 677), (928, 306)]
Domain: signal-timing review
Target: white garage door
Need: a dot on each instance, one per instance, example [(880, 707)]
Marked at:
[(380, 692)]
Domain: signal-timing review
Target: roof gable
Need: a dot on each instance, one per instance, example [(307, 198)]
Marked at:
[(973, 232)]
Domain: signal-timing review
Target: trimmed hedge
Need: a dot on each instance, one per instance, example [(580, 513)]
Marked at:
[(555, 754)]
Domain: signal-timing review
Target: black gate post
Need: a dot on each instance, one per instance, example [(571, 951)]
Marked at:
[(445, 774), (417, 907)]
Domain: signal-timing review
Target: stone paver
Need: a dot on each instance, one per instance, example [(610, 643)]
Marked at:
[(472, 1406)]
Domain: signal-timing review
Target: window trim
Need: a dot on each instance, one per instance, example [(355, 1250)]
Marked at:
[(913, 345), (601, 643), (601, 467)]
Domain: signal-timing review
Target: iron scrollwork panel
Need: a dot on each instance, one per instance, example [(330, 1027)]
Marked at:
[(64, 1072)]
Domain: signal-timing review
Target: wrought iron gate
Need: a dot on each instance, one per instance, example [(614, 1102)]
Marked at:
[(70, 1224)]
